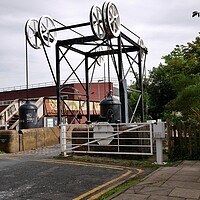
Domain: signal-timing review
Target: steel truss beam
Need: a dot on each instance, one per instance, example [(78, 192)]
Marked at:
[(117, 49)]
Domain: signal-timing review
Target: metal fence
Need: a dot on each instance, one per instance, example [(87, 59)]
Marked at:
[(106, 138)]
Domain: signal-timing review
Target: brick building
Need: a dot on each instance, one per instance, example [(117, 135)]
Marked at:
[(73, 106)]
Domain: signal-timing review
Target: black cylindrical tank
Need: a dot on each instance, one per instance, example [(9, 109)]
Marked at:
[(28, 116), (110, 109)]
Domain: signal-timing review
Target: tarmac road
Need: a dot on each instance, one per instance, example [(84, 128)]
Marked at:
[(36, 175)]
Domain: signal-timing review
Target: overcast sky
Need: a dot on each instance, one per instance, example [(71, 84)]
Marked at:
[(162, 24)]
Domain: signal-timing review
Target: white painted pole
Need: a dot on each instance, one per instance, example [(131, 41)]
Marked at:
[(63, 144), (159, 153), (159, 135)]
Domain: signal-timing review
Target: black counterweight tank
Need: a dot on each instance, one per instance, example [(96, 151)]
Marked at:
[(110, 109), (28, 116)]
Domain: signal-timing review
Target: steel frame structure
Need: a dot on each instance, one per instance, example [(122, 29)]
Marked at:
[(107, 40), (123, 45)]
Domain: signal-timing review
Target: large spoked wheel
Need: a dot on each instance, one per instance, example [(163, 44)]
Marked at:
[(111, 19), (96, 22), (100, 59), (45, 25), (31, 32)]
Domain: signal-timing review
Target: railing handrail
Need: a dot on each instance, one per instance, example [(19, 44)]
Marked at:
[(10, 105), (50, 83)]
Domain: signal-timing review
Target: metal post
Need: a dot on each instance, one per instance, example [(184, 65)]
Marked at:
[(122, 85), (87, 88), (118, 137), (63, 143), (159, 153), (159, 135), (99, 90), (27, 72), (141, 86), (58, 84)]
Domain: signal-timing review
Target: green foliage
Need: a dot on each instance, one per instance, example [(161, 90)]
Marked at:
[(188, 100), (133, 100), (174, 87), (2, 152), (120, 188), (160, 91)]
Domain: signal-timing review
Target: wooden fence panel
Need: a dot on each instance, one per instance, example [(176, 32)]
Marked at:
[(183, 141)]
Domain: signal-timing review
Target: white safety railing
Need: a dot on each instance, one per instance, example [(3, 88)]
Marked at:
[(40, 107), (9, 112), (105, 138)]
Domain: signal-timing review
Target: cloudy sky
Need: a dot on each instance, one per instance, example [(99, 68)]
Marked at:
[(162, 24)]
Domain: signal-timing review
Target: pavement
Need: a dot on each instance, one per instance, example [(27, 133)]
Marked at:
[(167, 183)]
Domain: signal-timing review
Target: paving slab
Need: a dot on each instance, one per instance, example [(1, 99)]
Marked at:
[(197, 164), (188, 163), (132, 196), (185, 193), (184, 178), (192, 169), (168, 183), (151, 182), (163, 191), (159, 197), (188, 172), (181, 184)]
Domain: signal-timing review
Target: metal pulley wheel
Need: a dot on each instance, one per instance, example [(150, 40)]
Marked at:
[(96, 22), (111, 19), (46, 24), (31, 32), (100, 59), (141, 43)]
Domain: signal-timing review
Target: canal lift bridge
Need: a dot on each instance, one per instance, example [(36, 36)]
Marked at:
[(102, 42)]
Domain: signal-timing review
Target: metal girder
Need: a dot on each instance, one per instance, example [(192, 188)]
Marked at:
[(69, 27), (80, 40), (74, 49), (133, 43), (112, 51)]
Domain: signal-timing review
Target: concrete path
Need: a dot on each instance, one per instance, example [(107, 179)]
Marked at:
[(167, 183)]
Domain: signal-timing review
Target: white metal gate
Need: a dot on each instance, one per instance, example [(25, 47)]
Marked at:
[(106, 138)]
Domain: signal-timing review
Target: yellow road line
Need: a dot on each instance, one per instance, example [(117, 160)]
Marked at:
[(103, 185), (9, 158), (139, 171), (82, 164), (110, 188)]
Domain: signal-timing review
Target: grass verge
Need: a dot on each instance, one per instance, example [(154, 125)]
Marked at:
[(128, 162), (2, 152), (119, 188)]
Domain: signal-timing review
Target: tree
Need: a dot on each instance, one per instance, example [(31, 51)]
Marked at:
[(134, 98), (174, 85), (195, 13), (160, 91)]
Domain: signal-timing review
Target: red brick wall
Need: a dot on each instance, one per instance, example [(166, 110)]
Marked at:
[(95, 89), (32, 93), (50, 91)]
